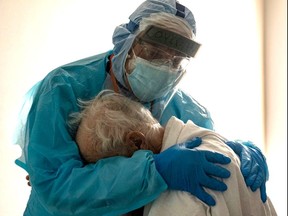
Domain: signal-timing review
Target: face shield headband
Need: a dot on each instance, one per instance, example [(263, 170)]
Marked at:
[(171, 40), (124, 34)]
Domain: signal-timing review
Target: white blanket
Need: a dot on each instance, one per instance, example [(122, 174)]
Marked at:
[(238, 200)]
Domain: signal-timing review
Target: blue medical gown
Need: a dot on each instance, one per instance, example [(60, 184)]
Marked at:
[(61, 183)]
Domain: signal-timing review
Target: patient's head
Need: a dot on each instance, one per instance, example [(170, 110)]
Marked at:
[(112, 125)]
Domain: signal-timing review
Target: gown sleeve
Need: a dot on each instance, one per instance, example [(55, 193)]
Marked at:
[(185, 107), (62, 184)]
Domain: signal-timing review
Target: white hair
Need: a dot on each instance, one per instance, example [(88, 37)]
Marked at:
[(105, 122)]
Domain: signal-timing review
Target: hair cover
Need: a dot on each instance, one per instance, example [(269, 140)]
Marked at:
[(125, 34)]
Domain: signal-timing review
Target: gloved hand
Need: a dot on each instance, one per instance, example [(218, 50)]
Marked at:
[(253, 165), (187, 169)]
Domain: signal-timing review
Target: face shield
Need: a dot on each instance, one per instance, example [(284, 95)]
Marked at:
[(160, 56), (124, 37), (157, 61)]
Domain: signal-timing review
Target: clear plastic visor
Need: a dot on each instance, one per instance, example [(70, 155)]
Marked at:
[(160, 55)]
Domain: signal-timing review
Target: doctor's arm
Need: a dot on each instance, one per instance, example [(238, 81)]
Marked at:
[(64, 184)]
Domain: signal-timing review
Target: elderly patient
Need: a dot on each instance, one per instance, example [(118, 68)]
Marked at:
[(114, 125)]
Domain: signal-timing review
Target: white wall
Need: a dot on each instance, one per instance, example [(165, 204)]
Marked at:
[(226, 77), (276, 100)]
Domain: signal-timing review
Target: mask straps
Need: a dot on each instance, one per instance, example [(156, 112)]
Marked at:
[(113, 79)]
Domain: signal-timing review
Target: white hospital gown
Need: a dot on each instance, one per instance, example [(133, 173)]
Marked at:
[(238, 200)]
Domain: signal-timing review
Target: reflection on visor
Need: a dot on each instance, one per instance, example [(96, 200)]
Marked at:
[(170, 39), (159, 57)]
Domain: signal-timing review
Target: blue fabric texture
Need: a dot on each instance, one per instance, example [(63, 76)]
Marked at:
[(125, 34), (61, 183), (51, 156), (52, 159)]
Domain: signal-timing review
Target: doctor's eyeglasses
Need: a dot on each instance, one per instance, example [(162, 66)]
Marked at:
[(159, 56)]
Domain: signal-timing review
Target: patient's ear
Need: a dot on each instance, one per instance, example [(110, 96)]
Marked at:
[(135, 138)]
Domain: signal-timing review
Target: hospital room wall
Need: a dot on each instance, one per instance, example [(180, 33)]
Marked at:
[(240, 73), (275, 82)]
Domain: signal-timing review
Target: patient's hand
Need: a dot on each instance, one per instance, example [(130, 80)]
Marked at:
[(28, 179)]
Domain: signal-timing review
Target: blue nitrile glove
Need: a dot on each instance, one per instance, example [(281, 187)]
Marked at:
[(186, 169), (253, 165)]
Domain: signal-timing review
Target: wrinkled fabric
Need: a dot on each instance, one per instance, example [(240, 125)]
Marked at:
[(203, 171), (19, 136), (253, 167), (238, 200), (61, 183), (125, 34)]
